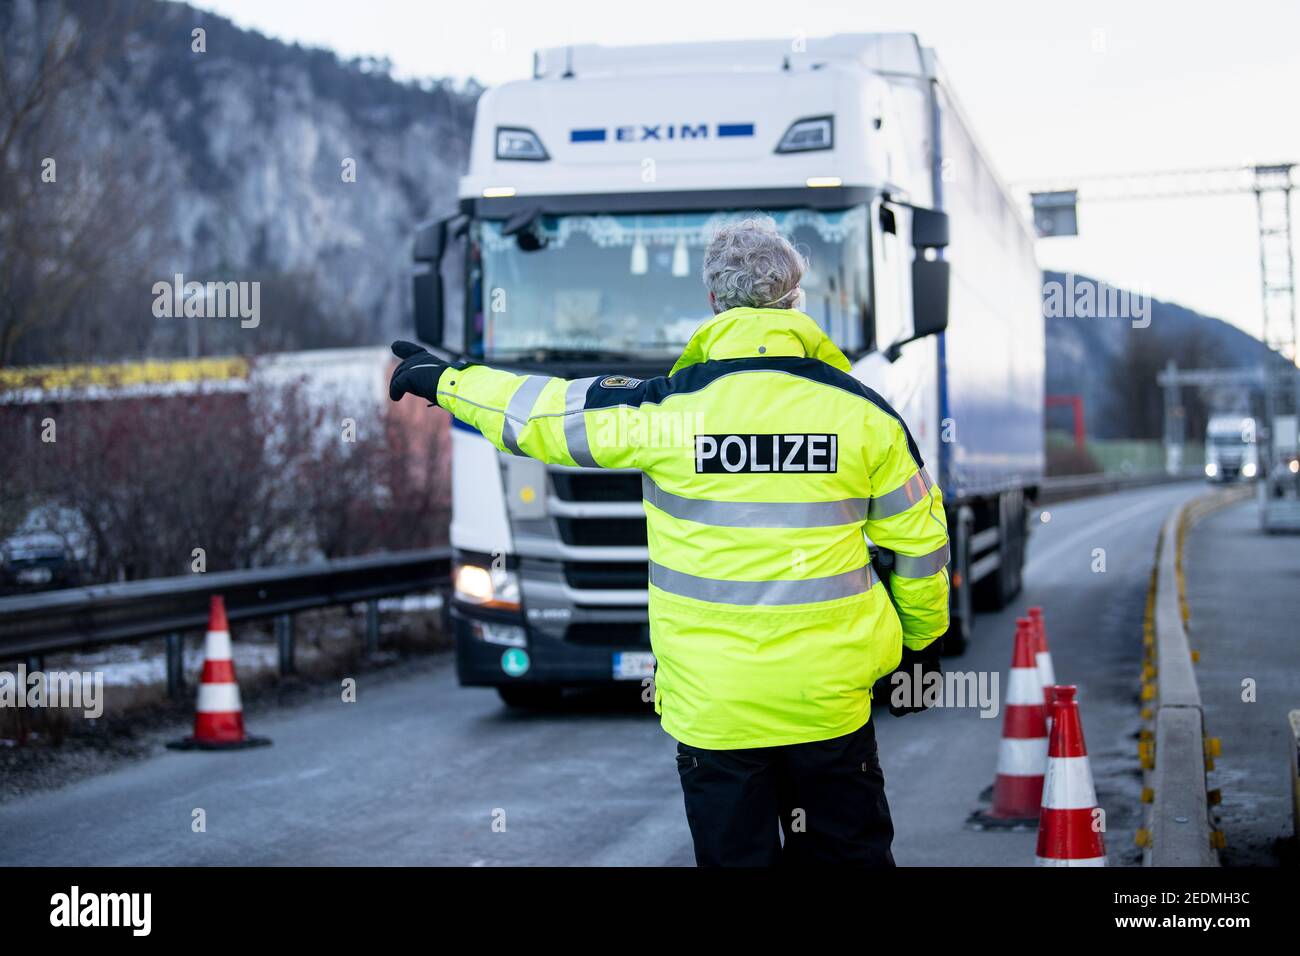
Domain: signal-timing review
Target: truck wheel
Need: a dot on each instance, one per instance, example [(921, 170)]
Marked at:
[(961, 613), (529, 697), (1000, 588)]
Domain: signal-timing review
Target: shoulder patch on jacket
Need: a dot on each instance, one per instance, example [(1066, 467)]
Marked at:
[(619, 381)]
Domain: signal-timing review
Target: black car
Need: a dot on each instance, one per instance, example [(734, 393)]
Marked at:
[(36, 562)]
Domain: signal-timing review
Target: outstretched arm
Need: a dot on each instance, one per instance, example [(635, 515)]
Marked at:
[(535, 415)]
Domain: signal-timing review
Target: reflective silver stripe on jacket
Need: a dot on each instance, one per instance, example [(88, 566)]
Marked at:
[(756, 514), (922, 566), (756, 593), (519, 408), (575, 422), (901, 498)]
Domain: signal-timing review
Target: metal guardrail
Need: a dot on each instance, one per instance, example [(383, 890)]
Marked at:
[(76, 618), (1064, 487), (1178, 830), (37, 624)]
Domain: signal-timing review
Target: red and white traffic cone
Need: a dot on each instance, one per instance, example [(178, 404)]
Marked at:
[(1069, 833), (1022, 754), (219, 718), (1043, 660)]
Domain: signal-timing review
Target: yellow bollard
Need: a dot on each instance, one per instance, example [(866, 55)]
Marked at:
[(1147, 754)]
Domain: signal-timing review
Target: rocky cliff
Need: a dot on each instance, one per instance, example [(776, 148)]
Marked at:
[(220, 155)]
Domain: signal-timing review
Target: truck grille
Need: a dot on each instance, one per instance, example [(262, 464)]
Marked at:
[(607, 575), (596, 486), (603, 532), (590, 546), (610, 634)]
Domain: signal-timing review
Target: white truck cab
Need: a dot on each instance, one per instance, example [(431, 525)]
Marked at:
[(1231, 448), (592, 191)]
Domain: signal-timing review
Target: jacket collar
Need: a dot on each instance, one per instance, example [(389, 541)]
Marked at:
[(750, 333)]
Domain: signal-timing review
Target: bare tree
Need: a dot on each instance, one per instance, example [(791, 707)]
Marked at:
[(153, 479), (75, 207), (1135, 397), (386, 487)]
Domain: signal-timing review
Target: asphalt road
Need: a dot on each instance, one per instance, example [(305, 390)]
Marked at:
[(420, 771), (1243, 602)]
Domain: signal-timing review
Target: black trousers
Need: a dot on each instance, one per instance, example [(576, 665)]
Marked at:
[(826, 799)]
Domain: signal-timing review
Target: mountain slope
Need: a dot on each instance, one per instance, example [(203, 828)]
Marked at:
[(238, 152), (1112, 364)]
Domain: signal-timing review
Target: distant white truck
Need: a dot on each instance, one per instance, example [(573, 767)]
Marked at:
[(1231, 448), (592, 191)]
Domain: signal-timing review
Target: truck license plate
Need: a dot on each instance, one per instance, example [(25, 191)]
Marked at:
[(633, 665)]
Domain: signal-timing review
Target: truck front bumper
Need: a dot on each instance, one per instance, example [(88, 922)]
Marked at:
[(543, 659)]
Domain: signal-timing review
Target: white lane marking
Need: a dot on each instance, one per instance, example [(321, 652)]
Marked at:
[(1090, 533)]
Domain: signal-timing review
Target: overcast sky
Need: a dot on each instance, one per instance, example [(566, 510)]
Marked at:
[(1053, 89)]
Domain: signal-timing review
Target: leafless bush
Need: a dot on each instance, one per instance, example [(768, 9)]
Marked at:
[(363, 484), (251, 479)]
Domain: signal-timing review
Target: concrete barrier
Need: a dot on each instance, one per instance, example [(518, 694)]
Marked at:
[(1178, 831), (1060, 488), (1294, 718)]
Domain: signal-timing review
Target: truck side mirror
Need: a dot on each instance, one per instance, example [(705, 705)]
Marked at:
[(426, 282), (929, 228), (930, 275), (929, 295), (433, 240), (930, 278)]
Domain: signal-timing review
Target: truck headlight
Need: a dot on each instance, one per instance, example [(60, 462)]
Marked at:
[(1211, 470), (1248, 470), (486, 587), (517, 143)]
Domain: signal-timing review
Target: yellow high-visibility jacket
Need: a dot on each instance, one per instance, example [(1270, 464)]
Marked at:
[(766, 468)]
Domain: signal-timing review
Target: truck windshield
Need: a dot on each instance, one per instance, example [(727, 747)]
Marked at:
[(629, 286)]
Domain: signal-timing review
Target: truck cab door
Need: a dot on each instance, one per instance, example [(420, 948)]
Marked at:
[(911, 278), (890, 269)]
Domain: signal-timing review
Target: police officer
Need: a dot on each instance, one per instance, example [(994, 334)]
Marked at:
[(768, 621)]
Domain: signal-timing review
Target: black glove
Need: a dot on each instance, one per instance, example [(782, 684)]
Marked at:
[(418, 373), (930, 663)]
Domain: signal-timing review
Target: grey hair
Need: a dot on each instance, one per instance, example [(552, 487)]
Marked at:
[(749, 263)]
